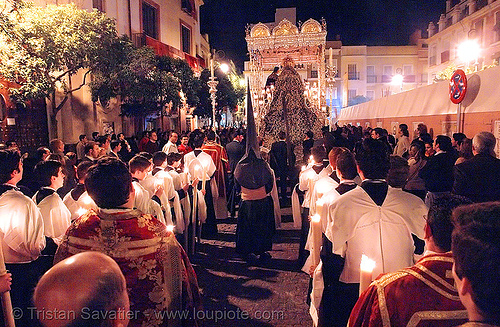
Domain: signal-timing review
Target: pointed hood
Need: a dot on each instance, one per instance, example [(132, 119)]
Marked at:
[(252, 171)]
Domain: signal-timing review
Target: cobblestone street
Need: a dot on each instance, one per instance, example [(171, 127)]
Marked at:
[(237, 294)]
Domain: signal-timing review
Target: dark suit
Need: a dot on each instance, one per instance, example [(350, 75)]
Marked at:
[(478, 178), (235, 151), (438, 172), (280, 165)]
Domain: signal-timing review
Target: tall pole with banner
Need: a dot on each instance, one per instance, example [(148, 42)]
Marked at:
[(458, 88)]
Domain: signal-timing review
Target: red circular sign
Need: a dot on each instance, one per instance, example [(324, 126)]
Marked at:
[(458, 86)]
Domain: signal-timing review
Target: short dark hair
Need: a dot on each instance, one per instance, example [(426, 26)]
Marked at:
[(476, 250), (310, 134), (108, 175), (346, 164), (83, 168), (398, 171), (44, 170), (420, 147), (373, 159), (318, 153), (146, 155), (281, 135), (173, 157), (198, 140), (89, 146), (459, 137), (101, 140), (138, 162), (159, 158), (211, 135), (54, 144), (334, 154), (439, 218), (82, 136), (114, 144), (9, 162), (444, 142)]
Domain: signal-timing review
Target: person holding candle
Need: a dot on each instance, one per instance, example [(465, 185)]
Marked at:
[(208, 168), (423, 292), (157, 270), (22, 233), (374, 219), (307, 179)]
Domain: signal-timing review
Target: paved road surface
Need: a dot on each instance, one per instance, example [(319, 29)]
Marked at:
[(237, 294)]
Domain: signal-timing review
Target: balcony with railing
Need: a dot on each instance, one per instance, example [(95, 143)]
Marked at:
[(162, 49)]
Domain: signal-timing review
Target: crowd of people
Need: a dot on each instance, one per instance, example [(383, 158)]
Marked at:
[(130, 209)]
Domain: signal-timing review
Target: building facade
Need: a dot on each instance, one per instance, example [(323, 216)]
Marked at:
[(170, 27), (475, 21)]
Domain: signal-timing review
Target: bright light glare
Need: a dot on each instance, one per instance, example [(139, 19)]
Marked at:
[(468, 51), (367, 264), (224, 68), (397, 79), (243, 82)]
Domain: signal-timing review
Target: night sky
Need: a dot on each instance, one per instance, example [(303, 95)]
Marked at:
[(358, 22)]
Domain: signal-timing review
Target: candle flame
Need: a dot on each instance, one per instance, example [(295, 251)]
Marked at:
[(87, 200), (170, 228), (316, 218), (367, 264), (303, 168), (81, 212)]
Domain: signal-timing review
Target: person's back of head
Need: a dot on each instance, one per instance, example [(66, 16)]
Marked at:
[(159, 158), (484, 143), (333, 155), (56, 145), (318, 153), (398, 171), (373, 159), (109, 175), (281, 135), (82, 169), (9, 162), (89, 146), (173, 157), (476, 250), (45, 170), (310, 134), (102, 299), (444, 143), (198, 140), (211, 135), (458, 138), (138, 163), (439, 219), (346, 165), (95, 135)]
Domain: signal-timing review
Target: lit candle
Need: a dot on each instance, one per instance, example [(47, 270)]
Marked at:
[(365, 273), (170, 228), (80, 212), (87, 200), (330, 59), (211, 67), (316, 238), (303, 168), (203, 179)]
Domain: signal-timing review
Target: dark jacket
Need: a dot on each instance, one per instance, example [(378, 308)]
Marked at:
[(478, 178), (438, 172), (235, 151)]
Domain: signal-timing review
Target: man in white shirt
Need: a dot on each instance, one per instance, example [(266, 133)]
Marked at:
[(171, 145), (21, 227), (376, 220)]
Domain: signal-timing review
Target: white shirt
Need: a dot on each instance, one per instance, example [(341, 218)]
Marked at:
[(56, 216), (144, 203), (358, 226), (205, 161), (21, 226), (307, 179), (78, 207), (170, 147)]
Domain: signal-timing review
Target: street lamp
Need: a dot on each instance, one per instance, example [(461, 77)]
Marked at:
[(398, 81), (224, 68), (468, 51)]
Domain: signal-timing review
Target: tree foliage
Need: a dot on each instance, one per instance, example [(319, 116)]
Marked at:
[(226, 94), (41, 47)]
